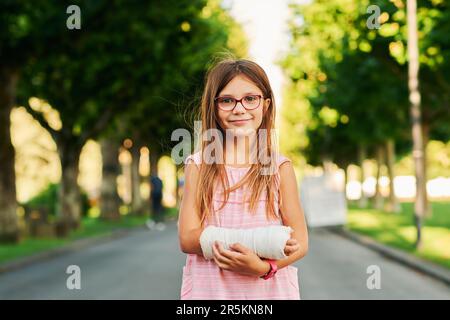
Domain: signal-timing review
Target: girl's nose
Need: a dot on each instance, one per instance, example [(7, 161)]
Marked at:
[(239, 108)]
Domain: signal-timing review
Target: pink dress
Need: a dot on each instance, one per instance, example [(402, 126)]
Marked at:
[(203, 279)]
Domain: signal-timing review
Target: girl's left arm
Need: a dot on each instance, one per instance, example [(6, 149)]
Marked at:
[(292, 213)]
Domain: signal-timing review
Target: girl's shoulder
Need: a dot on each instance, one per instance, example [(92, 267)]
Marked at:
[(282, 159)]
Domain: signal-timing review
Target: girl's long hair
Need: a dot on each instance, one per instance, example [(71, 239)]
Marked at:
[(217, 78)]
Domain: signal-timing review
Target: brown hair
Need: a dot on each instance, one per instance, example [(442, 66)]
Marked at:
[(217, 77)]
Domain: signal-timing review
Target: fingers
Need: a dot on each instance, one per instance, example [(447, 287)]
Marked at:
[(292, 246), (291, 242), (220, 257), (289, 250), (237, 247), (228, 253)]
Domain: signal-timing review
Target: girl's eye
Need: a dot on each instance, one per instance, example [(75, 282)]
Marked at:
[(226, 100), (250, 98)]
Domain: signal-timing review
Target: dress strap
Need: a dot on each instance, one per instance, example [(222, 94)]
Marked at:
[(195, 157), (282, 159)]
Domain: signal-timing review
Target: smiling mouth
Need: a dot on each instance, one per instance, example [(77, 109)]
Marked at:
[(240, 120)]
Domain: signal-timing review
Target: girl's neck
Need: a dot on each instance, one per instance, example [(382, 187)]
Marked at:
[(238, 152)]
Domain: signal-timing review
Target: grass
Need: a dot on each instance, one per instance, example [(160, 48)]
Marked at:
[(90, 227), (171, 213), (398, 230)]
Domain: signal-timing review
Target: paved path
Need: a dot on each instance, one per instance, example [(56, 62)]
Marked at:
[(148, 264)]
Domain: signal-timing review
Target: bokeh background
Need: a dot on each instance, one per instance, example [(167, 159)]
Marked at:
[(90, 95)]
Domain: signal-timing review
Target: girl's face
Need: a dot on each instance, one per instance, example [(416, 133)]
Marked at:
[(240, 120)]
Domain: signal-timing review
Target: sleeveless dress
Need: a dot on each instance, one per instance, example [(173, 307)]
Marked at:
[(203, 279)]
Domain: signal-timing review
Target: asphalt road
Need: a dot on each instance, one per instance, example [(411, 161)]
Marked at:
[(147, 264)]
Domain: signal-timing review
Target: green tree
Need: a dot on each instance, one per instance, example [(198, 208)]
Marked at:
[(173, 100), (354, 77), (26, 29), (125, 59)]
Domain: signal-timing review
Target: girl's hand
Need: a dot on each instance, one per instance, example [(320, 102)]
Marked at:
[(241, 260), (292, 246)]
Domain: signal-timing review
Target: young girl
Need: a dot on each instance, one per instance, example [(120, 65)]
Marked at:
[(238, 98)]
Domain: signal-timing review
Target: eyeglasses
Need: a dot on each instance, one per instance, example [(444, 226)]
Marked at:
[(249, 102)]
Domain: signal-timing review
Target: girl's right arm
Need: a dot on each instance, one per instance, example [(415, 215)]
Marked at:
[(189, 226)]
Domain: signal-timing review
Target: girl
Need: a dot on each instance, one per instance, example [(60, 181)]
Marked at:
[(238, 98)]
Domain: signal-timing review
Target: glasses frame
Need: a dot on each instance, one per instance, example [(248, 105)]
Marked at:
[(240, 100)]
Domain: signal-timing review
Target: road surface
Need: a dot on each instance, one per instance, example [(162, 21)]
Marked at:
[(147, 264)]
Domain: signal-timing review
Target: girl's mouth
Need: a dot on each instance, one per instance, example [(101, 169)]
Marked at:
[(240, 122)]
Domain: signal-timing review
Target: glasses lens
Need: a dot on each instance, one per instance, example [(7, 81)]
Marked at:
[(226, 103), (251, 102)]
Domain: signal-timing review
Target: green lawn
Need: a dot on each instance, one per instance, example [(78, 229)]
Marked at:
[(171, 213), (91, 227), (398, 230)]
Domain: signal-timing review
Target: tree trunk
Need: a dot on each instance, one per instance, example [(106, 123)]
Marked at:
[(137, 205), (69, 196), (378, 197), (127, 194), (362, 155), (426, 139), (9, 228), (110, 201), (345, 169), (327, 165), (416, 118), (154, 157), (393, 205)]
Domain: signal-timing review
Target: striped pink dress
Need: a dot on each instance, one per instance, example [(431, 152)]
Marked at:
[(203, 279)]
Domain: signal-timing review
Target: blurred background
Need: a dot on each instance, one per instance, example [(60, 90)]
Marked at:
[(91, 91)]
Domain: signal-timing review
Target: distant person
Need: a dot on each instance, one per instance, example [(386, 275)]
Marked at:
[(156, 196)]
